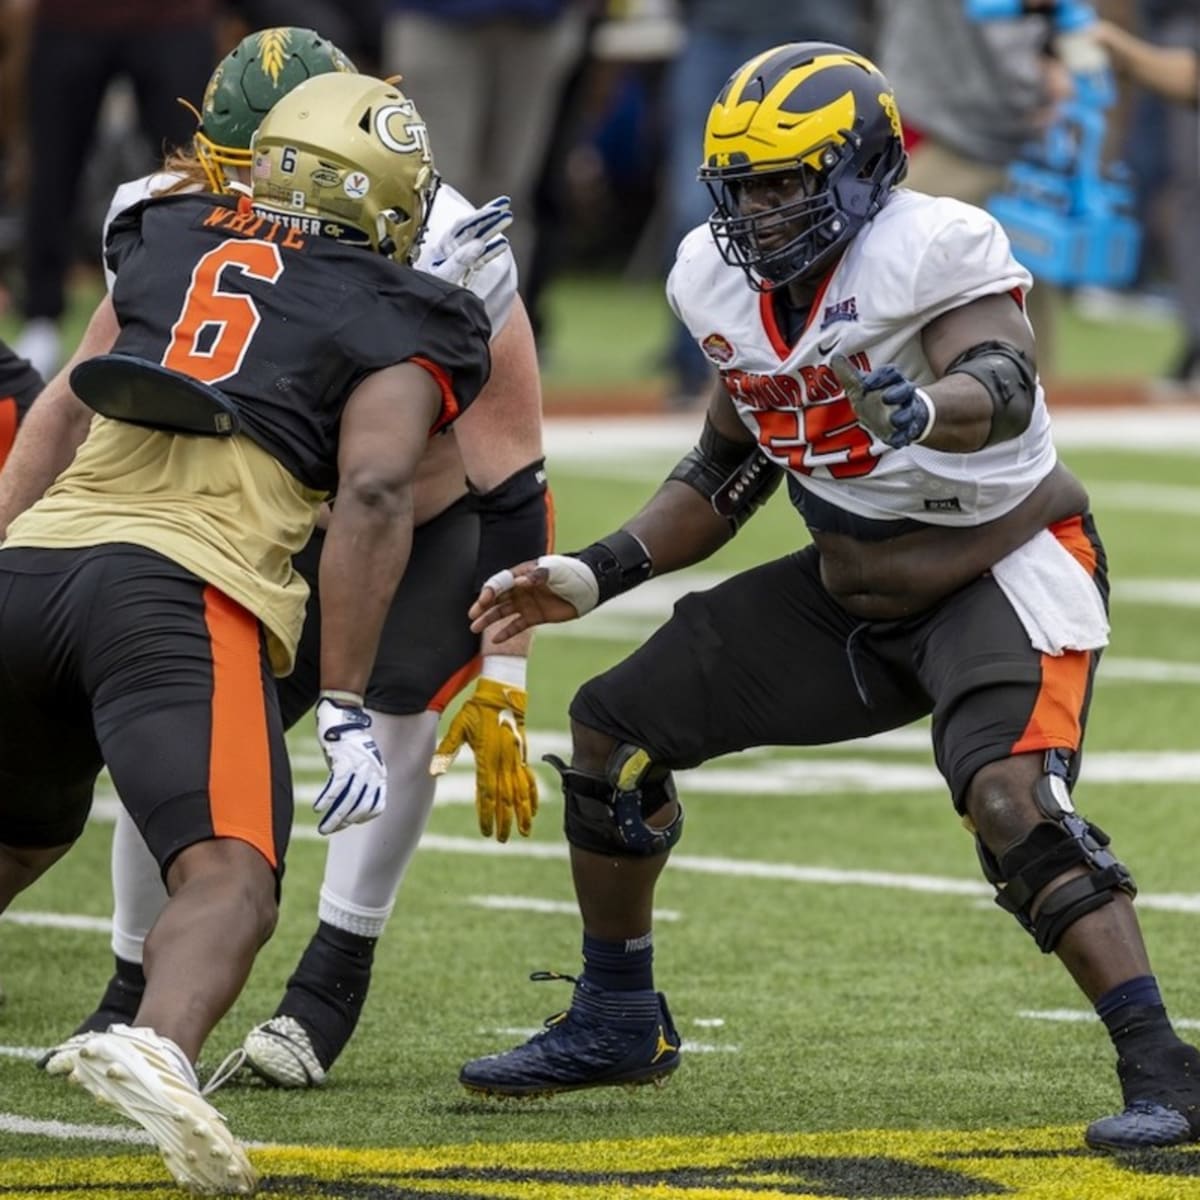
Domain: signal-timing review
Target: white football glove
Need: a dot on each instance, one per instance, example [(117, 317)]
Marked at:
[(356, 789), (471, 243)]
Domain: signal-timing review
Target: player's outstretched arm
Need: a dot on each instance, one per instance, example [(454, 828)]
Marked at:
[(382, 436), (500, 440), (696, 511), (54, 427)]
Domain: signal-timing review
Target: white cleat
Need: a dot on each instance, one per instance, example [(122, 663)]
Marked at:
[(60, 1059), (146, 1078), (281, 1052)]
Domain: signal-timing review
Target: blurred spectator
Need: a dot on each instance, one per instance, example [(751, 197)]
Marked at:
[(1172, 70), (166, 49), (972, 95), (16, 17), (720, 35), (356, 26), (490, 75)]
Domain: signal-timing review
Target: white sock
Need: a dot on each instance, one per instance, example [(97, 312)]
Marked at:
[(138, 891), (364, 864)]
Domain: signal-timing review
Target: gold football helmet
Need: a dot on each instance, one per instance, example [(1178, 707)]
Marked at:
[(352, 154)]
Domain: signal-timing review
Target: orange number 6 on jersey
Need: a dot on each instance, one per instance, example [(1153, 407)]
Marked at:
[(229, 318)]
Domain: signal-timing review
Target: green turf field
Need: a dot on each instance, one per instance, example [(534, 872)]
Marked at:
[(859, 1019)]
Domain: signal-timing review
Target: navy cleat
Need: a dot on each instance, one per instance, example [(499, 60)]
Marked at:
[(1144, 1125), (604, 1039), (1162, 1102)]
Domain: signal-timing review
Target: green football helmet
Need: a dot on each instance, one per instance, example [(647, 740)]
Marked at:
[(259, 71)]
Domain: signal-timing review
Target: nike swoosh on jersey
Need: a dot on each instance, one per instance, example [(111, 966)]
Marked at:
[(828, 347)]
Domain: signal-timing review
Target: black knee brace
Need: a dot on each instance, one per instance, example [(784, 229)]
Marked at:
[(1063, 840), (607, 813)]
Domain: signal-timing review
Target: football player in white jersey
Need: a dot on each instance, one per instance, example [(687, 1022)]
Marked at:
[(874, 351), (461, 537)]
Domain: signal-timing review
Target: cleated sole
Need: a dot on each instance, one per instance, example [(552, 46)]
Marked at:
[(656, 1076), (200, 1153)]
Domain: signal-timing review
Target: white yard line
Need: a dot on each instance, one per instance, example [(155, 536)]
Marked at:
[(61, 1130)]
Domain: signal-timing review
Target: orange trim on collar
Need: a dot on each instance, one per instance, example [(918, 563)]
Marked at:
[(766, 307)]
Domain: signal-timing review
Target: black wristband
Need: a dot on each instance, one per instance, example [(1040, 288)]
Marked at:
[(619, 562)]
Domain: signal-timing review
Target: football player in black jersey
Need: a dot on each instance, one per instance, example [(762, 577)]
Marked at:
[(148, 597), (461, 536)]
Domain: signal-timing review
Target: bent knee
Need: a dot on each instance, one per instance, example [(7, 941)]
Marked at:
[(590, 749), (1000, 800)]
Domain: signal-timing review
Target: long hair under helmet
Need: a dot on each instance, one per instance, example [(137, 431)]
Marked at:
[(809, 108)]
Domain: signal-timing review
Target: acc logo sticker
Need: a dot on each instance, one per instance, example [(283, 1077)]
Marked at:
[(718, 348), (869, 1164), (326, 177), (356, 185)]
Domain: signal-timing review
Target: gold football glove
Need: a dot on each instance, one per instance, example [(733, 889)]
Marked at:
[(492, 723)]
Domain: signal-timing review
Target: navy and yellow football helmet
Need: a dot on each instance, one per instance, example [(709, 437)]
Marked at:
[(819, 117)]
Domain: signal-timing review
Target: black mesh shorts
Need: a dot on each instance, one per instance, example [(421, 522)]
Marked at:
[(768, 658), (114, 655)]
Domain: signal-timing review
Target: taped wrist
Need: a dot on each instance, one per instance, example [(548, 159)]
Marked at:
[(619, 562), (1011, 382), (515, 521), (735, 482)]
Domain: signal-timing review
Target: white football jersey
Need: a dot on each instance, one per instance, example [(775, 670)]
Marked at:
[(919, 257), (495, 285)]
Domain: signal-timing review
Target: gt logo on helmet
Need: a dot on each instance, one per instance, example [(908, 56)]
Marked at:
[(413, 126)]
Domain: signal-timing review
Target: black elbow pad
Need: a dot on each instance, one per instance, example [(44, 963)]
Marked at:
[(1011, 382), (735, 480)]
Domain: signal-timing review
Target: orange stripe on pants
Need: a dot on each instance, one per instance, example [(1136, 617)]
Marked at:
[(454, 685), (239, 763), (1058, 710)]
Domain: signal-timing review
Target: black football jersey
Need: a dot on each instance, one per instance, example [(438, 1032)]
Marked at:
[(19, 386), (19, 382), (284, 320)]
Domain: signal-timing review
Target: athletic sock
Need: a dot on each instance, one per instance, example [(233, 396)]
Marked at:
[(625, 966), (1153, 1062), (327, 990), (121, 1000), (1134, 1014)]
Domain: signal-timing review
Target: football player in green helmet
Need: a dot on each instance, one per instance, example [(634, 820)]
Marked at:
[(247, 83)]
